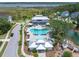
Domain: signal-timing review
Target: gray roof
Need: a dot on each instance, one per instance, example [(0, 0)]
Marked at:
[(65, 14), (74, 14)]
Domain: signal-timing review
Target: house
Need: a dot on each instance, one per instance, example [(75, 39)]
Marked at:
[(6, 16), (65, 14), (74, 15), (39, 38), (40, 19)]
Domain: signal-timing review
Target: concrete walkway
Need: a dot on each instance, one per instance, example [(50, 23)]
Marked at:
[(2, 40), (42, 54), (22, 49), (11, 49)]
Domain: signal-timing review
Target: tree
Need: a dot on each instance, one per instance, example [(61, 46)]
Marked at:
[(77, 19), (67, 54), (5, 25), (61, 29), (34, 50)]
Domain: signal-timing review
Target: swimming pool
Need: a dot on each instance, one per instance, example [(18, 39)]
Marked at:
[(39, 31), (75, 36)]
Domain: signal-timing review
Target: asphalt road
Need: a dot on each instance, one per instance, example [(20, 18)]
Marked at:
[(11, 49)]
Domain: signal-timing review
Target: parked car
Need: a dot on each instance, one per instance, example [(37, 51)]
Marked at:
[(11, 35)]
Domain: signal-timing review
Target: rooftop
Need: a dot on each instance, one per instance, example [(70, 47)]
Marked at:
[(40, 17)]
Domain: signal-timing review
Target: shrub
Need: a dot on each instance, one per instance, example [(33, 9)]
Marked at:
[(20, 43), (35, 54), (25, 43), (4, 26), (67, 54), (46, 49), (34, 50)]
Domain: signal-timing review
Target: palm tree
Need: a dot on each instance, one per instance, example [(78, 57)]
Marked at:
[(76, 18)]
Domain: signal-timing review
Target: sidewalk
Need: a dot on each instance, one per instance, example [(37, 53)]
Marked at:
[(22, 49), (5, 40), (12, 45)]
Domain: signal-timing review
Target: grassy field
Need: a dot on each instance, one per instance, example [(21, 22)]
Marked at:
[(1, 53), (25, 13), (1, 43), (2, 36)]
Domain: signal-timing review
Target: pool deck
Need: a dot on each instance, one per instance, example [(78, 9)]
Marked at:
[(33, 37)]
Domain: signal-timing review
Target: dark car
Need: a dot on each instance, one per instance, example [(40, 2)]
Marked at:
[(11, 34)]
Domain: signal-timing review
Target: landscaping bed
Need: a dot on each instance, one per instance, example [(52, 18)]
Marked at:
[(34, 53), (26, 49), (19, 52), (1, 43), (20, 44)]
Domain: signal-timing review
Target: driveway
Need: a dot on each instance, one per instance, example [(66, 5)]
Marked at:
[(11, 49)]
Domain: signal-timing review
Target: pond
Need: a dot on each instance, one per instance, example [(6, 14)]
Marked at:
[(75, 36)]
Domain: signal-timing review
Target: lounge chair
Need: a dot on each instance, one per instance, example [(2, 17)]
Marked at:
[(70, 47), (35, 34), (43, 34)]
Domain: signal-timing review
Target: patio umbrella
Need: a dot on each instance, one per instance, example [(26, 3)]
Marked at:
[(48, 45), (33, 45), (40, 47)]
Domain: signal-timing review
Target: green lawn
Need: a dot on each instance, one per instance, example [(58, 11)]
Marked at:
[(1, 43), (1, 53), (2, 36), (20, 44), (19, 52)]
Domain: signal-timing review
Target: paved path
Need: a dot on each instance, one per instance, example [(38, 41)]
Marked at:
[(4, 40), (11, 49), (22, 49), (42, 54)]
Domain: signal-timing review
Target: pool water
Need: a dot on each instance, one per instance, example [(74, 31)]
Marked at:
[(75, 36), (39, 31)]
